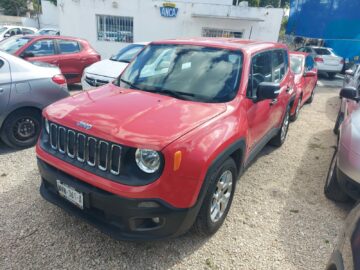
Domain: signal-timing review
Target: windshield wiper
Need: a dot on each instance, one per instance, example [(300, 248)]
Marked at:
[(175, 94), (132, 86)]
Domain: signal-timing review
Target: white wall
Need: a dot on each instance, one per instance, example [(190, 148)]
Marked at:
[(49, 16), (78, 18)]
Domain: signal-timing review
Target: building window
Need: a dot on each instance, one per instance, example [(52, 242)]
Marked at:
[(115, 28), (213, 32)]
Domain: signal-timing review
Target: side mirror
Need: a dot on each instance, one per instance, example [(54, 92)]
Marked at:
[(268, 90), (27, 55), (310, 73), (349, 93), (349, 72), (7, 35)]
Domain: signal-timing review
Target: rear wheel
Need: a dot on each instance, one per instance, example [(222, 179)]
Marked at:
[(21, 128), (217, 200), (280, 137), (332, 188)]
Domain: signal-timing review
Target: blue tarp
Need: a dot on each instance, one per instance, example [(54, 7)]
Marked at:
[(335, 21)]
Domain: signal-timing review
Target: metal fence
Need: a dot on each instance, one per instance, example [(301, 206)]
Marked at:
[(115, 28)]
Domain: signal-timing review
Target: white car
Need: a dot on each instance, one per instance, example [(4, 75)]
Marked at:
[(325, 59), (12, 30), (107, 70)]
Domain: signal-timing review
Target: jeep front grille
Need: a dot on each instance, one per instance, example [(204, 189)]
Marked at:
[(86, 149)]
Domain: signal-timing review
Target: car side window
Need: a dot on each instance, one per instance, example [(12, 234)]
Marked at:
[(279, 65), (260, 71), (1, 63), (68, 46), (42, 47), (308, 50), (309, 63)]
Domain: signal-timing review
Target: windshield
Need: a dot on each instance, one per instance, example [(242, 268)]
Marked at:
[(296, 63), (188, 72), (127, 53), (12, 44), (3, 29)]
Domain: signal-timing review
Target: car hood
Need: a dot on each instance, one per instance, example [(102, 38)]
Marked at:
[(131, 117), (107, 68)]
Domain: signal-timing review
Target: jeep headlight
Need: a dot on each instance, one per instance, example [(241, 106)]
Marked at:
[(47, 126), (147, 160)]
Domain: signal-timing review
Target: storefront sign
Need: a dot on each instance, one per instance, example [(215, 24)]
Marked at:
[(168, 10)]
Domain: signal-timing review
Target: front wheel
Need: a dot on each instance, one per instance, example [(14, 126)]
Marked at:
[(21, 128), (297, 110), (218, 199), (332, 188)]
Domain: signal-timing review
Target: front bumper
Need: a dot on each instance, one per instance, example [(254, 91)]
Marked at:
[(121, 218)]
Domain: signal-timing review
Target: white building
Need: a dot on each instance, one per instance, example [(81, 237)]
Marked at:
[(109, 24)]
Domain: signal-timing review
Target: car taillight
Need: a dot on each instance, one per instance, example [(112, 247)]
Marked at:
[(59, 79), (318, 59)]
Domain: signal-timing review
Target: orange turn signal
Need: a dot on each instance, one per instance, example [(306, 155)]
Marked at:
[(177, 160)]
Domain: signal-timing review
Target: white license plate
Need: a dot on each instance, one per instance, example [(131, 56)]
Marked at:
[(70, 194)]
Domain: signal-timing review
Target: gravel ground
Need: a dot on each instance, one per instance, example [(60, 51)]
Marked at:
[(279, 218)]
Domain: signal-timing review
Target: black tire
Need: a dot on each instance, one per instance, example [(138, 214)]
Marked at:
[(331, 75), (280, 137), (297, 111), (204, 224), (339, 120), (21, 128), (332, 189)]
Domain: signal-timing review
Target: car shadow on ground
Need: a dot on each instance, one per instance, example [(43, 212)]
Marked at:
[(306, 206), (4, 149)]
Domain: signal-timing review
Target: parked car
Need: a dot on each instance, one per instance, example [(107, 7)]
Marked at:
[(71, 55), (343, 179), (303, 66), (25, 89), (49, 32), (351, 80), (326, 60), (152, 155), (346, 254), (107, 70), (7, 31)]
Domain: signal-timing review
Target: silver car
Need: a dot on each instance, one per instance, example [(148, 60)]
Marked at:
[(343, 180), (25, 89)]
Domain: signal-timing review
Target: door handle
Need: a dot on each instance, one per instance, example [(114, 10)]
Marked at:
[(1, 90), (273, 102)]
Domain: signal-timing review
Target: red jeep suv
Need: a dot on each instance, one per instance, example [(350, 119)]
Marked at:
[(160, 150)]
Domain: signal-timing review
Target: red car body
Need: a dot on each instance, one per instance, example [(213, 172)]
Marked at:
[(77, 55), (305, 79), (204, 133)]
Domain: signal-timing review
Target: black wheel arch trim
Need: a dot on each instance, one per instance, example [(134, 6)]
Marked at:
[(336, 260)]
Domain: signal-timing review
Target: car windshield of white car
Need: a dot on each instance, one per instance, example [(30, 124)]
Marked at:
[(13, 44), (322, 51), (126, 54), (296, 63), (197, 73), (3, 29)]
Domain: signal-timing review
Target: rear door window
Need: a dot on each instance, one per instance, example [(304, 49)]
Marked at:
[(42, 47), (309, 63), (68, 46), (27, 31)]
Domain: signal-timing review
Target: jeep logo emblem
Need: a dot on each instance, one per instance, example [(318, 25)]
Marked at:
[(84, 125)]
